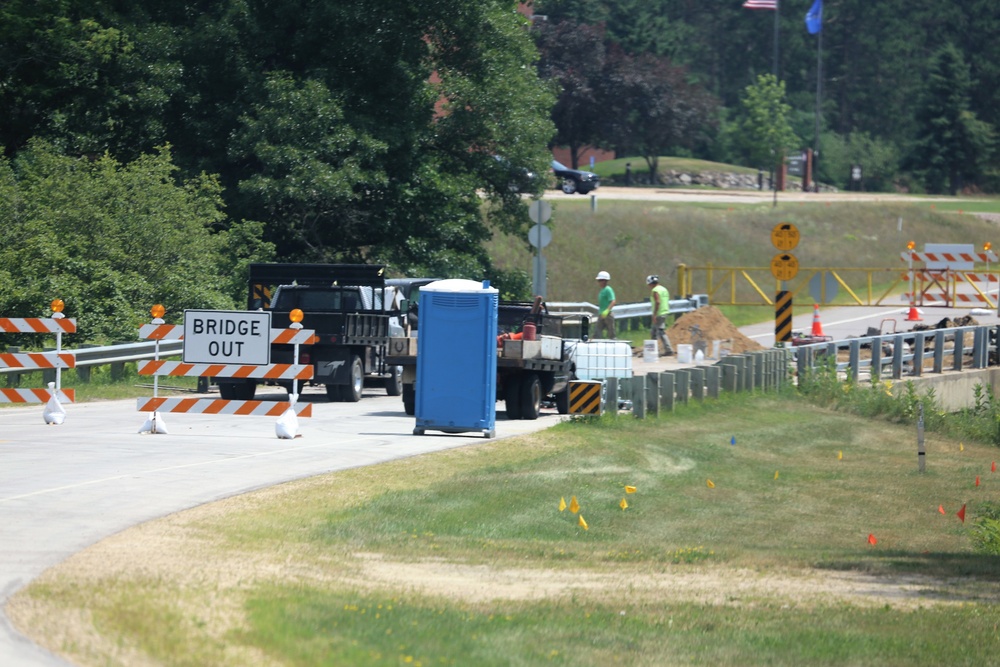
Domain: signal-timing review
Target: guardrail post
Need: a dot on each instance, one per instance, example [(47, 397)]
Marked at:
[(875, 372), (697, 383), (117, 367), (653, 393), (682, 380), (667, 388), (611, 396), (980, 353), (958, 351), (713, 376), (13, 379), (83, 372), (636, 391), (730, 375), (939, 339), (897, 357), (918, 353), (854, 361)]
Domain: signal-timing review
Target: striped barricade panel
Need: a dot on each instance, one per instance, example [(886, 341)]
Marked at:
[(910, 255), (35, 395), (268, 372), (212, 406), (176, 332), (585, 397), (37, 325), (37, 360), (161, 332)]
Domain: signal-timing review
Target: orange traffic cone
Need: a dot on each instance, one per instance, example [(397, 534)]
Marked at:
[(913, 315), (817, 329)]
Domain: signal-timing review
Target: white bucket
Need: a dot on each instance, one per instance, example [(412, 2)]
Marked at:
[(716, 348), (684, 353), (650, 351)]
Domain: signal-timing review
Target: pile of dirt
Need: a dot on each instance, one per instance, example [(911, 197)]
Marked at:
[(712, 325)]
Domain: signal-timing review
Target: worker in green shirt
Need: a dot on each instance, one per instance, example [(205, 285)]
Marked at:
[(605, 327), (659, 297)]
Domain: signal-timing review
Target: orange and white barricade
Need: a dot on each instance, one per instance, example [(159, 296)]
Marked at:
[(55, 360), (295, 372)]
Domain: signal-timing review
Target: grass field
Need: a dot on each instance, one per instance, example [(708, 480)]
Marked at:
[(746, 542)]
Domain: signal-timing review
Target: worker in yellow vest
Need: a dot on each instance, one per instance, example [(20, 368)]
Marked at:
[(659, 297)]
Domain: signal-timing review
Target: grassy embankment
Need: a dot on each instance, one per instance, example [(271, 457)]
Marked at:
[(631, 239), (463, 557)]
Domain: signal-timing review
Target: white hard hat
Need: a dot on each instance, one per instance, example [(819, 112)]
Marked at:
[(652, 279), (603, 275)]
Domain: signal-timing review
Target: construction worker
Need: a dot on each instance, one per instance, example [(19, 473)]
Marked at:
[(659, 297), (605, 302)]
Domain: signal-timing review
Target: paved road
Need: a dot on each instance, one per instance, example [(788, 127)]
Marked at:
[(63, 488)]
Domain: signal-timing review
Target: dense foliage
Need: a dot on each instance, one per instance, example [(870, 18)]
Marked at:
[(112, 239), (354, 130)]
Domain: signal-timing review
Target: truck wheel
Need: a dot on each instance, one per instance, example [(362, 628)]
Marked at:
[(531, 396), (409, 399), (232, 391), (562, 401), (352, 392), (394, 383), (512, 398)]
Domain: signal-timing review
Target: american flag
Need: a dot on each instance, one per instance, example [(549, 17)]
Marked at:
[(760, 4)]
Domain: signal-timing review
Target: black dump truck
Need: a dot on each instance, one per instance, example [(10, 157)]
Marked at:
[(352, 313), (528, 371)]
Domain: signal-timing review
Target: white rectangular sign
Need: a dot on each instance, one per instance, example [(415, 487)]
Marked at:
[(227, 337)]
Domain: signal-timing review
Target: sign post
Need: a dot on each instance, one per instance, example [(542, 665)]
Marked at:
[(784, 266), (539, 236)]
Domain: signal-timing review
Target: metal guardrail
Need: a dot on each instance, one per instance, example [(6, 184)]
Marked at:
[(624, 311), (902, 355), (115, 354)]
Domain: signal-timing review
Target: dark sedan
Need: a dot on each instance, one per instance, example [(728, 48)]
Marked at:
[(575, 180)]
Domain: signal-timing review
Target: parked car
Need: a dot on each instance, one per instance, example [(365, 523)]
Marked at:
[(575, 180), (519, 179)]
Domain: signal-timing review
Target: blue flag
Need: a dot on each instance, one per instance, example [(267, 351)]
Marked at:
[(814, 18)]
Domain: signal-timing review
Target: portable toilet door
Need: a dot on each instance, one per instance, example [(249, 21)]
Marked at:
[(457, 358)]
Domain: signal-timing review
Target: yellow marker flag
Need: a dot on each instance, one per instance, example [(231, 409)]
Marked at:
[(562, 504), (776, 474), (840, 455), (710, 484), (574, 506), (629, 489), (623, 504), (583, 524)]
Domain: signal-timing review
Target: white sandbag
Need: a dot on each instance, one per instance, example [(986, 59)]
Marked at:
[(54, 413)]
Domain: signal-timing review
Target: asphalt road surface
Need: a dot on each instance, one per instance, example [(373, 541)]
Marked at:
[(63, 488)]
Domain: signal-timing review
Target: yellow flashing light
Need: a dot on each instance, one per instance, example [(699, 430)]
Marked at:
[(911, 245), (296, 315), (157, 311), (57, 305)]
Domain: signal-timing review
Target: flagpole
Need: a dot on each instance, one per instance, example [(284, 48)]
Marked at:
[(819, 99), (777, 10)]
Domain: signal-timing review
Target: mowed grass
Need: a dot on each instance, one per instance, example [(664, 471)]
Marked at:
[(463, 557)]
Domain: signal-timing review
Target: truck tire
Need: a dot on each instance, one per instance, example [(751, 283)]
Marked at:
[(237, 391), (409, 399), (351, 393), (394, 383), (562, 401), (512, 398), (531, 396)]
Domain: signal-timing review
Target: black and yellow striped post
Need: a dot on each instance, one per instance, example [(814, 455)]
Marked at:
[(783, 317), (262, 295), (585, 397)]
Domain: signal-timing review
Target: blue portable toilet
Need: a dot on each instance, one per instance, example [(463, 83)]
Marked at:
[(457, 358)]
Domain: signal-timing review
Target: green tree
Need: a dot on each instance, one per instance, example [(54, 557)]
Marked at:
[(764, 130), (952, 143), (112, 239)]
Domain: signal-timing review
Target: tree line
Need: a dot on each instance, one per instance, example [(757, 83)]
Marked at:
[(910, 89)]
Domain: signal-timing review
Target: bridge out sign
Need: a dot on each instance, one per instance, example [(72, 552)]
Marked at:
[(227, 337)]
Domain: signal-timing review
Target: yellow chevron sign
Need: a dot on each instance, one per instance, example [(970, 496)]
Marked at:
[(585, 397)]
